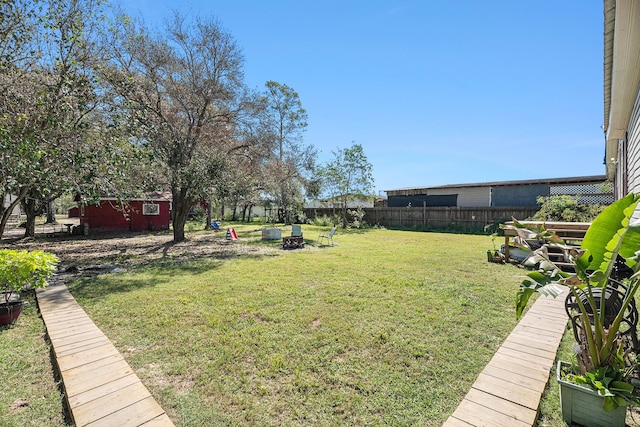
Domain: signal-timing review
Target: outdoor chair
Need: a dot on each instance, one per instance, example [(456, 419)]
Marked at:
[(328, 237)]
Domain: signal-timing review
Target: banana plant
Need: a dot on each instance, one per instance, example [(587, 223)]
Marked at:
[(613, 235)]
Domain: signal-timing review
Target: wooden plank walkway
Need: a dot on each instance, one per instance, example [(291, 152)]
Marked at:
[(508, 391), (101, 388)]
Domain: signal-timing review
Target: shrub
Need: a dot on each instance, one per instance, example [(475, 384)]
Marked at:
[(357, 216), (565, 208), (22, 269)]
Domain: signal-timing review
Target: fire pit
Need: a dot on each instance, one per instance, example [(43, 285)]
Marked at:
[(292, 242)]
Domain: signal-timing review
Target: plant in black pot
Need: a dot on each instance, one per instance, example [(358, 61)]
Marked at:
[(21, 270), (601, 306)]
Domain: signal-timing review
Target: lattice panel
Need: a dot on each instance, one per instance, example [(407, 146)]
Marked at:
[(587, 193), (576, 189)]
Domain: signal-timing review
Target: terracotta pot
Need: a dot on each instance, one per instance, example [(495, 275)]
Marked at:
[(9, 312)]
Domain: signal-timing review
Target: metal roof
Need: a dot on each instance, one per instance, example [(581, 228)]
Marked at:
[(593, 179)]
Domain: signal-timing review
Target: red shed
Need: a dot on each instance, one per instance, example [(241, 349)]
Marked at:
[(74, 212), (133, 215)]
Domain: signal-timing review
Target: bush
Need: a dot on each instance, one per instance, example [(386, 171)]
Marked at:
[(565, 209), (22, 269), (357, 216), (326, 221)]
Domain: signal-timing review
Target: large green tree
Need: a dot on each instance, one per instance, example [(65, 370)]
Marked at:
[(348, 176), (51, 126), (182, 91)]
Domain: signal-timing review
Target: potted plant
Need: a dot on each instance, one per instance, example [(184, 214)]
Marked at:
[(494, 255), (601, 305), (20, 269)]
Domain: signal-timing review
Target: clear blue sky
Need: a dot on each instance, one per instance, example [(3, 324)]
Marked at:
[(437, 92)]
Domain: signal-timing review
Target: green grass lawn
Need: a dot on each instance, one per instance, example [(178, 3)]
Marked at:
[(29, 395), (385, 328)]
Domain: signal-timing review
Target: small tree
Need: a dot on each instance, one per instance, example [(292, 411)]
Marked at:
[(349, 176), (292, 162)]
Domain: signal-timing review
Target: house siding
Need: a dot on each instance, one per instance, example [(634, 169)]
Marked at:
[(631, 153), (109, 215)]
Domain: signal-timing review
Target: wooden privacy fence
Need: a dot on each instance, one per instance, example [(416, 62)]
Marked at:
[(472, 218)]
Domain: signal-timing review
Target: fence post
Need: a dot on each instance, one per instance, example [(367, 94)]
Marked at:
[(424, 213)]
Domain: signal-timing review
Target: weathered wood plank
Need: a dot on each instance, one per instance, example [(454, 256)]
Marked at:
[(87, 377), (531, 342), (452, 422), (72, 339), (479, 415), (161, 421), (73, 347), (513, 410), (103, 388), (109, 404), (547, 354), (544, 334), (58, 333), (82, 358), (137, 414), (515, 378), (508, 391), (529, 358), (73, 313), (518, 366)]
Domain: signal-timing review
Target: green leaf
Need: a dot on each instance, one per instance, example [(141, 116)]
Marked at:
[(522, 298), (610, 404), (621, 386), (606, 227)]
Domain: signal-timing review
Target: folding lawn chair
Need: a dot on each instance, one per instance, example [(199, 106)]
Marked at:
[(328, 237)]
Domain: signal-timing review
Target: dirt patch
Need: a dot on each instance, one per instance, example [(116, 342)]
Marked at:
[(19, 404), (255, 317), (314, 324), (118, 251)]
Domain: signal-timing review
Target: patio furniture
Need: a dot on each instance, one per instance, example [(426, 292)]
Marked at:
[(328, 237)]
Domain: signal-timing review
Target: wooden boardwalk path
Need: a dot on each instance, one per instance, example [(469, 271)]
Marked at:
[(100, 387), (508, 391)]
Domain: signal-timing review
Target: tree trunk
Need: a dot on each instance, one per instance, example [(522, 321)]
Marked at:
[(207, 226), (181, 207), (51, 214), (30, 210), (345, 222)]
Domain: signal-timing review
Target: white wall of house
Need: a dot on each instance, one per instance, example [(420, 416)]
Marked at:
[(630, 153), (621, 104)]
